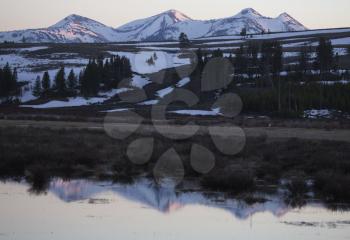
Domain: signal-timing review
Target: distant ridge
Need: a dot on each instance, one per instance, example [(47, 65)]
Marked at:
[(164, 26)]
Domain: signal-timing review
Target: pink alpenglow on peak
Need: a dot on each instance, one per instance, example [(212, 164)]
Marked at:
[(164, 26)]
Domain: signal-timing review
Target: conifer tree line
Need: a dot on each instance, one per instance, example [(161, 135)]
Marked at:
[(266, 83), (98, 75), (152, 59), (8, 82)]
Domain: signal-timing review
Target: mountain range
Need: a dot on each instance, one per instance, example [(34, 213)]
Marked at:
[(162, 199), (164, 26)]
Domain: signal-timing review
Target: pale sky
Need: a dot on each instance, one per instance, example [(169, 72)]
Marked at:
[(23, 14)]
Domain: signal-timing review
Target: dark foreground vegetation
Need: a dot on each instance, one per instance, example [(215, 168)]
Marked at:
[(298, 166), (8, 83)]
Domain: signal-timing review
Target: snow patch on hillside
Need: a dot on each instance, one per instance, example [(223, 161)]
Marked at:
[(149, 102), (183, 82), (163, 60), (78, 101), (139, 81), (166, 91)]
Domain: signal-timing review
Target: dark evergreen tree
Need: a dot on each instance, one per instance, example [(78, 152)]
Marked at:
[(196, 76), (90, 80), (184, 41), (240, 62), (8, 82), (336, 62), (265, 64), (243, 32), (155, 57), (2, 83), (303, 61), (252, 55), (14, 83), (277, 67), (277, 56), (72, 81), (37, 87), (150, 61), (324, 53), (7, 78), (46, 82), (217, 53), (60, 82), (324, 63)]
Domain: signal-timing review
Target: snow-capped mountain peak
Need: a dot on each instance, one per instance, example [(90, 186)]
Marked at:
[(152, 28), (291, 23), (164, 26), (177, 16), (73, 18), (248, 12), (78, 28), (285, 16), (73, 28)]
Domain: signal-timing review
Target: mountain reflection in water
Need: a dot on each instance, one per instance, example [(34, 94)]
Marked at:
[(165, 200), (83, 209)]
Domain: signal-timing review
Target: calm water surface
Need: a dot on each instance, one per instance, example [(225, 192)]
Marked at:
[(82, 209)]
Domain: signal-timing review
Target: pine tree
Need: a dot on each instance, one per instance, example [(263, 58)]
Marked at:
[(277, 58), (195, 84), (217, 53), (184, 41), (14, 83), (240, 62), (150, 61), (324, 62), (37, 87), (252, 55), (265, 63), (277, 66), (90, 80), (46, 82), (336, 62), (72, 81), (324, 53), (243, 32), (60, 82), (7, 80), (304, 58), (2, 83), (81, 76)]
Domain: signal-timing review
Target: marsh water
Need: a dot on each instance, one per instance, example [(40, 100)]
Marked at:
[(82, 209)]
